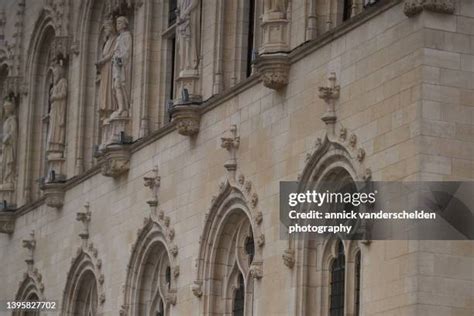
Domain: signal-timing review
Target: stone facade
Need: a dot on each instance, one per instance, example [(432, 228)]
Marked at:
[(398, 105)]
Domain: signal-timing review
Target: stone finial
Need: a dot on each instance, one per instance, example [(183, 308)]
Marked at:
[(30, 245), (231, 143), (85, 219), (153, 183), (330, 94), (414, 7)]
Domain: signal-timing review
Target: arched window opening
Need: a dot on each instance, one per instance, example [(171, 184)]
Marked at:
[(357, 284), (33, 297), (338, 271), (239, 298), (86, 301)]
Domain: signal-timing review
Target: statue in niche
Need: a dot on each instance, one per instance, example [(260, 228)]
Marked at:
[(107, 101), (121, 68), (279, 6), (187, 34), (57, 114), (9, 141)]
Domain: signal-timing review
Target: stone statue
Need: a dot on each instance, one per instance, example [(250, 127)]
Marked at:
[(57, 114), (121, 68), (9, 141), (279, 6), (187, 34), (107, 102)]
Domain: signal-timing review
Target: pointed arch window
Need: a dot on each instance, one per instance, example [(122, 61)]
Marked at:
[(338, 271)]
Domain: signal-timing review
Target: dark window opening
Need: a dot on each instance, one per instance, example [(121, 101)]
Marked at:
[(338, 269), (347, 10), (357, 284), (250, 247), (168, 277), (250, 37), (172, 7), (239, 298)]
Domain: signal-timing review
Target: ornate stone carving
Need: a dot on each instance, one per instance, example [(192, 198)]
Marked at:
[(9, 152), (57, 125), (7, 222), (187, 118), (196, 288), (256, 270), (330, 94), (289, 258), (30, 245), (114, 160), (85, 218), (171, 298), (231, 143), (121, 68), (107, 102), (273, 70), (153, 183), (54, 193), (414, 7)]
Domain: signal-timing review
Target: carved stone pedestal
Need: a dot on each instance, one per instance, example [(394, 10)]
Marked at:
[(114, 131), (187, 118), (114, 160), (55, 166), (275, 33), (7, 194), (273, 70), (54, 193), (414, 7), (7, 222)]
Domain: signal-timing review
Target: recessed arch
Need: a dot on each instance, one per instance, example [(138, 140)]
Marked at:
[(31, 289), (150, 285), (230, 256), (84, 293)]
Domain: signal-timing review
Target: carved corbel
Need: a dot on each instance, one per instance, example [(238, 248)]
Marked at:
[(114, 159), (196, 288), (186, 115), (414, 7), (273, 70), (54, 193)]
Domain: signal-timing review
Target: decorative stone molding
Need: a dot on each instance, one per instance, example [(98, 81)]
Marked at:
[(414, 7), (7, 222), (153, 183), (114, 160), (86, 259), (231, 143), (156, 230), (273, 69), (230, 192), (330, 94), (289, 258), (54, 193), (85, 218), (187, 118), (30, 245), (256, 270)]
